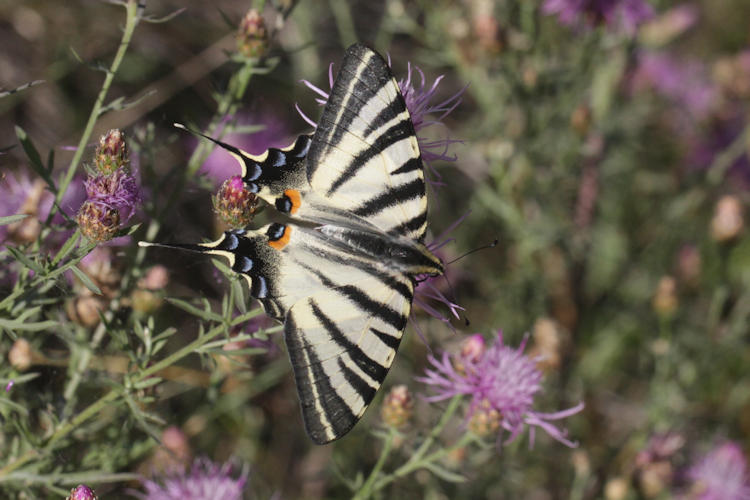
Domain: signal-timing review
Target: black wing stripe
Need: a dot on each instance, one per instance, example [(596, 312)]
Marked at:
[(311, 379), (399, 131), (413, 224), (409, 165), (360, 386), (394, 196), (391, 341), (386, 314), (402, 288), (386, 114), (375, 370)]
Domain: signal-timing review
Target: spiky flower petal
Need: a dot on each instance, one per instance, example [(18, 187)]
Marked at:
[(502, 384), (204, 480), (721, 475)]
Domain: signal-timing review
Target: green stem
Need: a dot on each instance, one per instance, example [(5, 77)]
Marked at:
[(107, 399), (413, 465), (131, 22), (417, 460), (366, 490)]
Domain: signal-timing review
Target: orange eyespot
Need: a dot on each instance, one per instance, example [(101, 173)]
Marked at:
[(283, 241), (295, 198)]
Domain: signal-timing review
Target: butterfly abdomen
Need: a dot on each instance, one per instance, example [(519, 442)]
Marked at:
[(395, 253)]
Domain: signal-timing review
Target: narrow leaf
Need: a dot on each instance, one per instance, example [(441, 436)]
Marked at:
[(205, 314), (10, 219), (25, 260), (83, 277), (33, 154)]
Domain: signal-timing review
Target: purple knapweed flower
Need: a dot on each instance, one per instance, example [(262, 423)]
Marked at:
[(419, 98), (685, 83), (624, 15), (117, 190), (82, 492), (502, 383), (112, 191), (721, 475), (203, 481), (21, 194)]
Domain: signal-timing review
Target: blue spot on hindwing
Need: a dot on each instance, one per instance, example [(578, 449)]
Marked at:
[(259, 288)]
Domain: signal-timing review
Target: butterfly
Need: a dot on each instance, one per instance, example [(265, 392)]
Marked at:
[(339, 271)]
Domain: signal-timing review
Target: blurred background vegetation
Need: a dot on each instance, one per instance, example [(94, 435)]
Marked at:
[(611, 165)]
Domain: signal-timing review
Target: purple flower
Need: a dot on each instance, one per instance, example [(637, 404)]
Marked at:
[(684, 82), (419, 102), (721, 475), (118, 191), (205, 480), (235, 204), (502, 383), (20, 194), (82, 492), (625, 15)]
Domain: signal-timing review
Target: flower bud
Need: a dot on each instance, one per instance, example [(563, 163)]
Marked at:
[(616, 488), (252, 36), (485, 421), (727, 222), (156, 278), (234, 203), (398, 407), (84, 310), (549, 344), (580, 119), (111, 153), (20, 355), (689, 265), (98, 222), (82, 492), (665, 298)]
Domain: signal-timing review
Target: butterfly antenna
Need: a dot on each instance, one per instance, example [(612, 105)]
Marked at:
[(224, 145), (176, 246), (483, 247)]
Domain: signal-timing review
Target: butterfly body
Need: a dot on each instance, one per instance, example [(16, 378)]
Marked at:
[(340, 269)]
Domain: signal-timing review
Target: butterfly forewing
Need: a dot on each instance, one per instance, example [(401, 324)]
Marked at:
[(364, 157)]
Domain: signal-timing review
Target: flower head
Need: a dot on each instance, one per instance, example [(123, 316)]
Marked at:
[(205, 479), (398, 407), (252, 35), (111, 153), (235, 204), (82, 492), (624, 15), (502, 384), (721, 475), (98, 221), (117, 190)]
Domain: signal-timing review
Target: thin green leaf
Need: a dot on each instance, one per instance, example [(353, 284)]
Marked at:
[(67, 247), (27, 327), (33, 155), (149, 382), (163, 19), (20, 88), (444, 473), (25, 260), (205, 314), (10, 219), (83, 277)]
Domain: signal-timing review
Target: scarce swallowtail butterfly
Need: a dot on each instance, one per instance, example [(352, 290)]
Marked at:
[(340, 271)]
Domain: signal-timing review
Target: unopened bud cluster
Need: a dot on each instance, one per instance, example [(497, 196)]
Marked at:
[(252, 35), (398, 407), (234, 203)]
